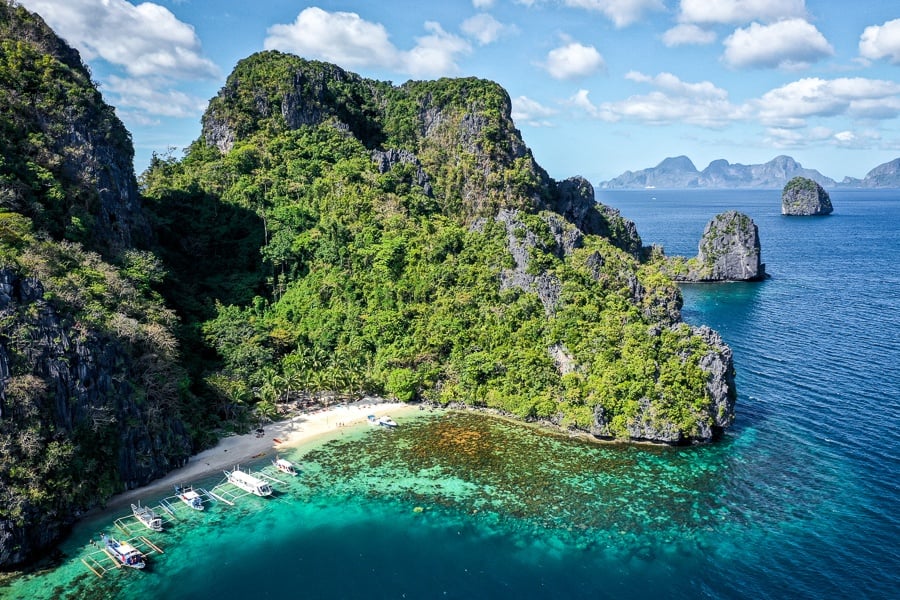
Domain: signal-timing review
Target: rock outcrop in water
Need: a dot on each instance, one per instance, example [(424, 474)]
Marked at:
[(804, 197), (728, 251)]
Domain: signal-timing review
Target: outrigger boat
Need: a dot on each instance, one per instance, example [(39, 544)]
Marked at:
[(384, 421), (124, 552), (248, 482), (187, 495), (147, 516), (285, 466)]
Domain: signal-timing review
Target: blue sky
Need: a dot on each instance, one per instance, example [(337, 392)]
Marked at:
[(598, 86)]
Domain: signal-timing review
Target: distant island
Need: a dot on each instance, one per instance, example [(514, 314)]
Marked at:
[(679, 172)]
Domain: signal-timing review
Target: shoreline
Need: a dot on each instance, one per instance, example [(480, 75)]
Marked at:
[(236, 449)]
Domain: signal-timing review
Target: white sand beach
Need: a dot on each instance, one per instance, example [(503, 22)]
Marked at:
[(282, 435)]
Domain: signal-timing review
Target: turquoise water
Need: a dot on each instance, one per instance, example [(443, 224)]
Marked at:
[(799, 500)]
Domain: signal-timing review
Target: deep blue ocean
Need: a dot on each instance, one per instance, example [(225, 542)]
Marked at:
[(800, 500)]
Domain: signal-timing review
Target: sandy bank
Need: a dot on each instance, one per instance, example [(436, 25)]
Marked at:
[(289, 433)]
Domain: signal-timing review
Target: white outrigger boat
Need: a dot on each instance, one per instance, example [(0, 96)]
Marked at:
[(147, 516), (123, 552), (187, 495), (248, 482), (285, 466), (384, 421)]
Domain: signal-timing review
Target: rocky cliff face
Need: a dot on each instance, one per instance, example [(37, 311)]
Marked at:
[(729, 250), (67, 159), (805, 197), (83, 413), (89, 380)]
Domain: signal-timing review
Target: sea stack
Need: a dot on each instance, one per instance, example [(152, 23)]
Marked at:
[(728, 251), (804, 197)]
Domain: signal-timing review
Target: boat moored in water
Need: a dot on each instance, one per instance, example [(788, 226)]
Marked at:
[(147, 516), (248, 482), (123, 552), (384, 421), (187, 495), (285, 466)]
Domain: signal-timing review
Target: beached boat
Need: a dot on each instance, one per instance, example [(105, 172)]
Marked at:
[(123, 552), (384, 421), (147, 516), (285, 466), (187, 495), (248, 482)]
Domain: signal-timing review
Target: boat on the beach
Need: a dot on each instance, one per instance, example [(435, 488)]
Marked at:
[(248, 482), (187, 495), (384, 421), (123, 552), (147, 516), (285, 466)]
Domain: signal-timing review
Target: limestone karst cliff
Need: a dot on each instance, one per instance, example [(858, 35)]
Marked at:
[(476, 278), (89, 373)]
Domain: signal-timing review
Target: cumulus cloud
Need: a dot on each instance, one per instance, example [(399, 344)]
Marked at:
[(349, 40), (739, 11), (688, 34), (620, 12), (526, 110), (434, 54), (573, 61), (881, 41), (145, 40), (485, 29), (791, 43), (673, 101), (790, 106), (483, 4)]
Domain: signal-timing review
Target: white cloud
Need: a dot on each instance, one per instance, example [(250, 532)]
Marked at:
[(739, 11), (786, 44), (673, 85), (145, 40), (152, 97), (340, 37), (434, 54), (789, 106), (685, 34), (620, 12), (348, 40), (881, 41), (801, 138), (483, 4), (573, 61), (526, 110), (674, 101), (485, 29)]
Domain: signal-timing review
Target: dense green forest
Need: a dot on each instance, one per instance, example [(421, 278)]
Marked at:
[(321, 272)]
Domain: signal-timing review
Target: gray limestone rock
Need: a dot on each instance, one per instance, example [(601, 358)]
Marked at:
[(804, 197), (729, 251)]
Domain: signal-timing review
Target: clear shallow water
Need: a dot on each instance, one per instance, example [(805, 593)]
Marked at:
[(800, 500)]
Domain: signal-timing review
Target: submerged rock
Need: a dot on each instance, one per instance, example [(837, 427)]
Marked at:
[(804, 197)]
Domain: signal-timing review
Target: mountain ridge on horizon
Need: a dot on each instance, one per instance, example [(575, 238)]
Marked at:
[(679, 172)]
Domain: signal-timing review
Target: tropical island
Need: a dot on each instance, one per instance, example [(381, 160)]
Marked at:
[(679, 172), (326, 236)]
